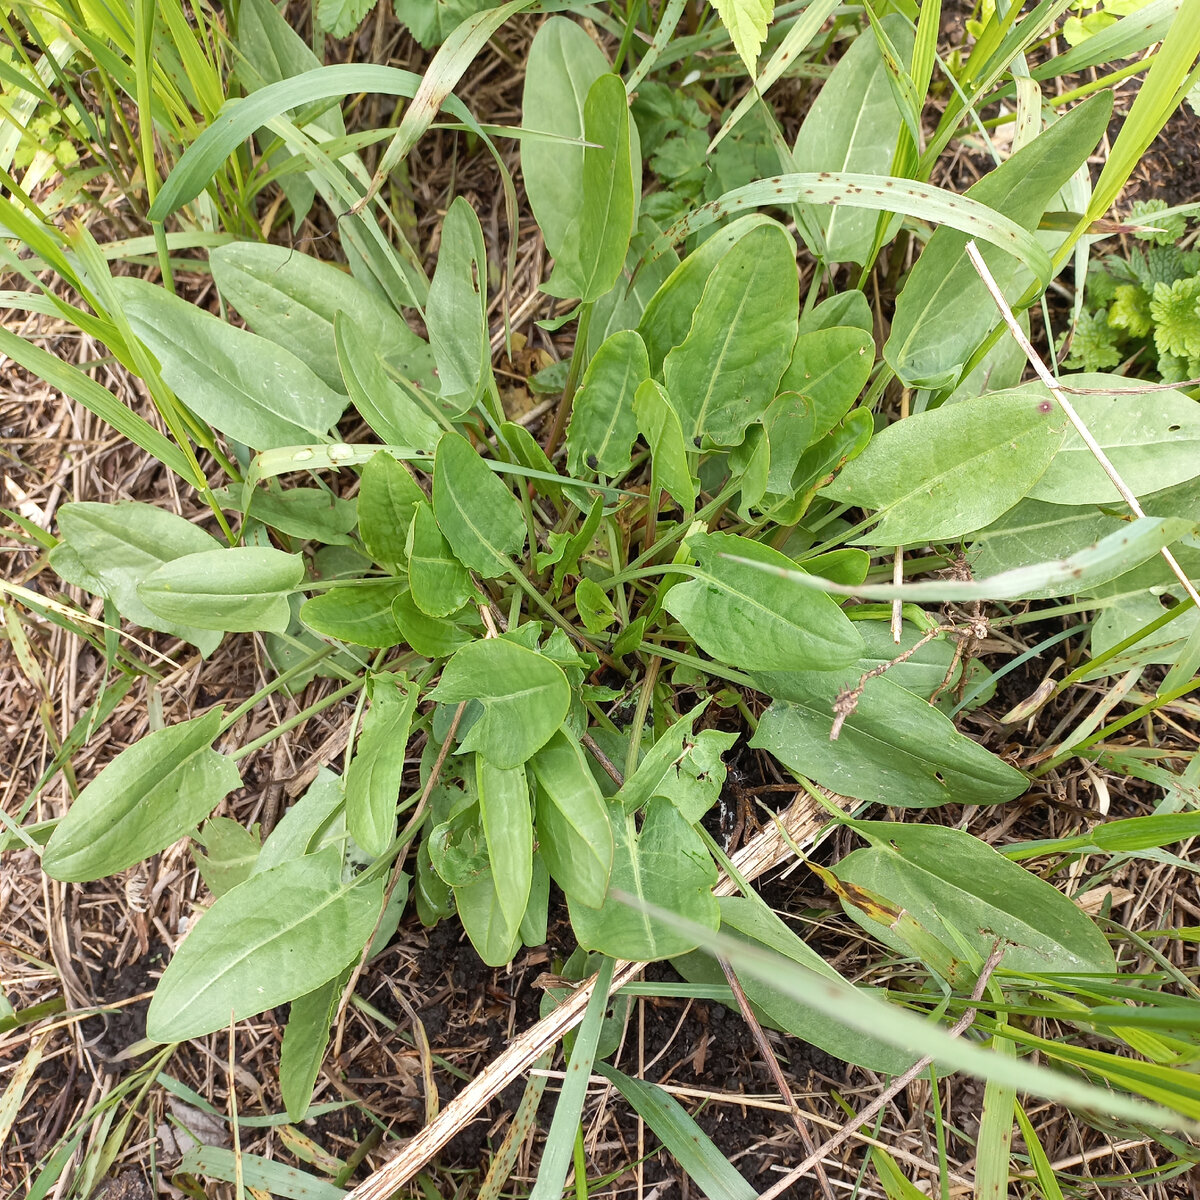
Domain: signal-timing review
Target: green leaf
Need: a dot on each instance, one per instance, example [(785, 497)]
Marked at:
[(926, 350), (305, 1037), (359, 613), (603, 427), (750, 921), (439, 583), (387, 495), (562, 65), (481, 911), (658, 423), (751, 619), (573, 831), (591, 254), (665, 863), (693, 783), (507, 816), (525, 697), (893, 749), (789, 423), (431, 24), (254, 1171), (374, 774), (624, 305), (394, 415), (240, 383), (302, 825), (949, 880), (687, 1143), (595, 609), (853, 125), (830, 366), (747, 22), (456, 311), (476, 512), (236, 590), (431, 637), (306, 513), (110, 548), (269, 940), (340, 18), (232, 852), (152, 794), (922, 474), (657, 761), (292, 299), (1150, 438), (727, 369)]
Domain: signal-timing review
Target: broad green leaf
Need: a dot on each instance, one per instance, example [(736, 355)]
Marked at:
[(152, 794), (657, 761), (456, 312), (236, 590), (893, 749), (926, 350), (747, 22), (789, 423), (110, 548), (386, 497), (476, 512), (506, 812), (751, 921), (842, 444), (573, 832), (948, 879), (853, 125), (842, 308), (603, 427), (624, 305), (374, 774), (439, 583), (271, 939), (668, 315), (591, 254), (264, 1175), (658, 423), (1152, 439), (431, 637), (727, 369), (1033, 531), (305, 1037), (525, 697), (695, 781), (528, 452), (534, 922), (359, 613), (393, 414), (750, 618), (596, 610), (431, 24), (562, 65), (923, 672), (665, 863), (922, 474), (340, 18), (715, 1176), (300, 827), (291, 299), (232, 851), (830, 366), (240, 383), (307, 513), (483, 918)]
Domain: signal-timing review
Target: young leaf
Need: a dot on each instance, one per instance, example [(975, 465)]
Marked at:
[(658, 423), (152, 794), (269, 940), (303, 823), (922, 474), (853, 125), (456, 312), (893, 749), (830, 366), (305, 1037), (245, 386), (476, 512), (728, 368), (292, 299), (751, 619), (439, 583), (116, 546), (525, 697), (386, 497), (236, 590), (374, 774), (589, 259), (747, 22), (665, 863), (573, 831), (431, 637), (948, 879), (359, 613), (603, 427), (507, 816), (232, 852)]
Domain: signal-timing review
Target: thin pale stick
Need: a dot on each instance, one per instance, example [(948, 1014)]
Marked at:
[(1056, 391), (897, 1085), (804, 821)]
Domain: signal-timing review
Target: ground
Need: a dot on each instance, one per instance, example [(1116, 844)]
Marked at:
[(428, 1014)]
